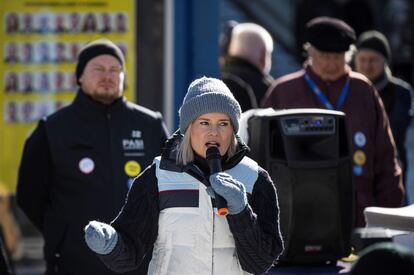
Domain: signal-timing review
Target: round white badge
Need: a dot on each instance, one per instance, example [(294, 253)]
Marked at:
[(86, 165), (360, 139)]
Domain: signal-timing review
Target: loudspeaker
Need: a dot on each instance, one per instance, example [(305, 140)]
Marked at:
[(307, 154)]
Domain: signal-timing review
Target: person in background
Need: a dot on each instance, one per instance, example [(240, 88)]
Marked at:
[(11, 112), (44, 52), (73, 52), (120, 22), (224, 40), (27, 52), (11, 53), (60, 52), (247, 64), (27, 82), (44, 23), (359, 14), (28, 111), (174, 198), (44, 82), (12, 82), (28, 85), (78, 163), (60, 24), (27, 23), (106, 22), (327, 82), (372, 59), (59, 81), (89, 23), (74, 22), (12, 22)]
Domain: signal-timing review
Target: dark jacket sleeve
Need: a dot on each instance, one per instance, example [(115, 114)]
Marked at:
[(256, 230), (400, 120), (137, 226), (35, 176), (4, 260), (388, 176), (164, 133)]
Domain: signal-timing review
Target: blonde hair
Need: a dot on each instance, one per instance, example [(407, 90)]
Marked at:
[(185, 153)]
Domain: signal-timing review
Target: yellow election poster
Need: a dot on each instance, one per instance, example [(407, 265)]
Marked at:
[(40, 43)]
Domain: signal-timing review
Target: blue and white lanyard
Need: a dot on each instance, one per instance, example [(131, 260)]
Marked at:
[(322, 96)]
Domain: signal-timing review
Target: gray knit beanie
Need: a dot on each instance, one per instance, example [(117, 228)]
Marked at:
[(208, 95)]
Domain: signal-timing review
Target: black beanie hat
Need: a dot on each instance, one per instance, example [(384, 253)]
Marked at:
[(95, 48), (329, 34), (376, 41)]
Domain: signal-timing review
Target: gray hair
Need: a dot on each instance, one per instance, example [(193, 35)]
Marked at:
[(348, 54), (249, 40), (185, 153)]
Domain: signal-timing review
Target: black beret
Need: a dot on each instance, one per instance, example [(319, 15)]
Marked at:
[(95, 48), (329, 34), (375, 41)]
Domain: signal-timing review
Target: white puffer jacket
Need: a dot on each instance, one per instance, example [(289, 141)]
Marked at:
[(193, 239)]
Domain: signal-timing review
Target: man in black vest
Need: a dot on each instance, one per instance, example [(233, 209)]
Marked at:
[(79, 162)]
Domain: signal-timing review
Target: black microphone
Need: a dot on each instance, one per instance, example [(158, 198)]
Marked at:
[(214, 163)]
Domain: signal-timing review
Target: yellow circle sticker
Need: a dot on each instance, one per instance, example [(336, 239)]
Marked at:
[(132, 168), (359, 157)]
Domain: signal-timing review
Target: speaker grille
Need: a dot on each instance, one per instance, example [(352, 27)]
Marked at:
[(315, 204)]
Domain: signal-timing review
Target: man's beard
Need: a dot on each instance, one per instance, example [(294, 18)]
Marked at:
[(107, 97)]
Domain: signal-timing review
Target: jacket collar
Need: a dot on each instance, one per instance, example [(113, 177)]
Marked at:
[(237, 63), (383, 80), (86, 105), (319, 81)]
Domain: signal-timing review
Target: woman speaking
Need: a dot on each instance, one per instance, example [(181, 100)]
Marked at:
[(170, 211)]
